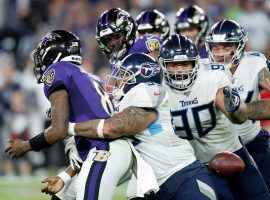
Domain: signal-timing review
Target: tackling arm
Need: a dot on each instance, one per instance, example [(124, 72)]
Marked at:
[(258, 110), (130, 121)]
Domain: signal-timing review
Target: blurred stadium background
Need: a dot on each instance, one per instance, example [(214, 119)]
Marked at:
[(23, 105)]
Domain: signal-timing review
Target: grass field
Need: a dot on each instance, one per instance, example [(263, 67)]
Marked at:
[(21, 189)]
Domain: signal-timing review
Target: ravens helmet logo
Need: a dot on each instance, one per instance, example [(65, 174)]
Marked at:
[(49, 37)]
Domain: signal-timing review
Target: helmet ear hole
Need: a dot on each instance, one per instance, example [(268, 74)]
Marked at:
[(73, 50)]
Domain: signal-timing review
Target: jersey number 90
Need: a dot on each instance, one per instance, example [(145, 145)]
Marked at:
[(202, 131)]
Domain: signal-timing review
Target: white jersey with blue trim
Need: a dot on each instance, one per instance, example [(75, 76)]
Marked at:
[(245, 82), (196, 117), (158, 145)]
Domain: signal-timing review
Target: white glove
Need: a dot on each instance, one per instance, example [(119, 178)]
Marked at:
[(71, 152)]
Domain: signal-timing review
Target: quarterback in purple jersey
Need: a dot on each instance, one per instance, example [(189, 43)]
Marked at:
[(75, 96), (193, 23)]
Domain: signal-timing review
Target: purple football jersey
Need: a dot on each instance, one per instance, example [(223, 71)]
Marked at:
[(146, 44), (85, 97), (203, 52)]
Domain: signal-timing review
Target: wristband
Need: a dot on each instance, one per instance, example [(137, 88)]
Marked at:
[(39, 142), (71, 129), (100, 129), (64, 176)]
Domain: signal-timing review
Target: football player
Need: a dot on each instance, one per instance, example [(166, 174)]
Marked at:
[(116, 32), (249, 73), (197, 89), (76, 96), (143, 115), (153, 22), (193, 23)]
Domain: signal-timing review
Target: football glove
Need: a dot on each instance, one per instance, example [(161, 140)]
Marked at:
[(231, 100), (71, 152)]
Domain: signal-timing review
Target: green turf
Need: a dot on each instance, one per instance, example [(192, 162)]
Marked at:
[(30, 190)]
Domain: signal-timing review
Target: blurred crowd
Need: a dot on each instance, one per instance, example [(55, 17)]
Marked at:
[(23, 22)]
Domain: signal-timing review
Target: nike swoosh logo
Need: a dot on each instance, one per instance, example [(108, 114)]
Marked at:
[(156, 93)]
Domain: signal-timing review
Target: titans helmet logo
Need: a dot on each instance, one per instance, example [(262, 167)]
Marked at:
[(149, 69)]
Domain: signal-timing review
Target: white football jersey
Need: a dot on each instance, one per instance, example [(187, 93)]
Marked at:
[(158, 145), (196, 118), (245, 82)]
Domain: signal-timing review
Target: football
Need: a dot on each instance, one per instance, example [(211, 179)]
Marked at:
[(226, 164)]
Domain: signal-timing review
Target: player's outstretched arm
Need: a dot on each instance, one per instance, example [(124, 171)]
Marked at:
[(229, 102), (55, 133), (258, 110), (264, 79), (130, 121), (56, 183)]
